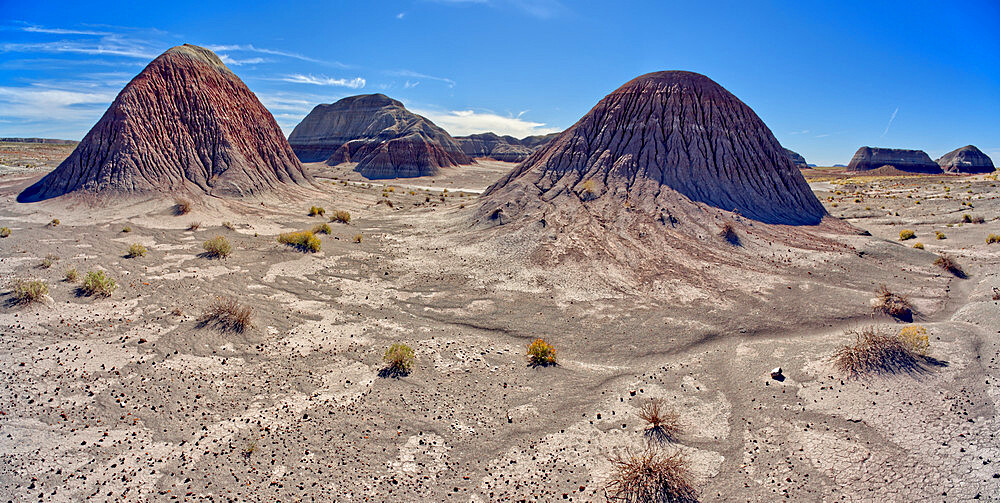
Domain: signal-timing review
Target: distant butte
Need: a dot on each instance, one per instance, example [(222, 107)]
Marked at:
[(911, 161), (384, 138), (967, 159), (185, 123)]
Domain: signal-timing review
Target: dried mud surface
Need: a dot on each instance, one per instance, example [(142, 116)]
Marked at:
[(127, 399)]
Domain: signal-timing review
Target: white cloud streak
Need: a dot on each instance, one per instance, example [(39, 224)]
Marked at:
[(894, 112), (466, 122), (417, 75), (63, 31), (355, 83)]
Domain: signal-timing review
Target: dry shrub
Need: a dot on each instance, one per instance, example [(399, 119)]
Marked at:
[(915, 337), (136, 250), (663, 424), (229, 225), (316, 211), (940, 235), (226, 315), (992, 238), (875, 351), (4, 232), (399, 360), (303, 240), (193, 226), (919, 246), (28, 291), (893, 304), (970, 219), (648, 476), (217, 247), (541, 353), (341, 216), (321, 229), (182, 207), (54, 223), (948, 263), (728, 232), (98, 283), (48, 261), (357, 238), (906, 234), (127, 228), (71, 275)]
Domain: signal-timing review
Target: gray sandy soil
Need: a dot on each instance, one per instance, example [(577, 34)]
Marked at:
[(127, 399)]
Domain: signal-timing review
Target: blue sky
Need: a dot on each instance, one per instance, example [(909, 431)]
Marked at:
[(826, 77)]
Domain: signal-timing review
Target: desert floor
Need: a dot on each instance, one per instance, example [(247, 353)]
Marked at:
[(128, 399)]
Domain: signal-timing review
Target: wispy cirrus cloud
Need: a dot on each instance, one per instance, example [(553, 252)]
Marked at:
[(38, 103), (322, 80), (107, 46), (63, 31), (417, 75), (541, 9), (466, 122), (272, 52), (238, 62), (887, 126)]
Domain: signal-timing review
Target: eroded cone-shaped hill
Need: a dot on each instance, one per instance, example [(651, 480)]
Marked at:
[(378, 133), (660, 136), (912, 161), (967, 159), (185, 123)]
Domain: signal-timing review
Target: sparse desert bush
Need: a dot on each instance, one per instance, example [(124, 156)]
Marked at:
[(399, 359), (54, 223), (98, 283), (71, 275), (136, 250), (127, 228), (906, 234), (303, 240), (316, 211), (28, 291), (728, 232), (875, 351), (541, 353), (948, 263), (177, 311), (992, 238), (226, 315), (229, 225), (589, 190), (48, 261), (357, 238), (341, 216), (321, 229), (193, 226), (915, 337), (4, 232), (940, 235), (649, 475), (971, 219), (918, 245), (663, 424), (217, 247), (182, 207), (893, 304)]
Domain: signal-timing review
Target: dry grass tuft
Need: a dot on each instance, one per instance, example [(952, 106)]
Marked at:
[(663, 424), (948, 263), (193, 226), (54, 223), (28, 291), (182, 207), (321, 229), (919, 246), (649, 475), (4, 232), (341, 216), (940, 235), (875, 351), (541, 353), (98, 283), (127, 228), (217, 247), (893, 304), (399, 360), (358, 238), (992, 238), (136, 250), (906, 234), (71, 275), (970, 219), (316, 211), (48, 261), (226, 315), (303, 240), (229, 225), (728, 232)]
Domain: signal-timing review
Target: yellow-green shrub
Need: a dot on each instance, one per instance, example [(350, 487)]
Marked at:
[(136, 250), (28, 291), (321, 229), (541, 353), (906, 234), (218, 247), (98, 283), (915, 337), (303, 240), (316, 210), (399, 359), (341, 216)]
